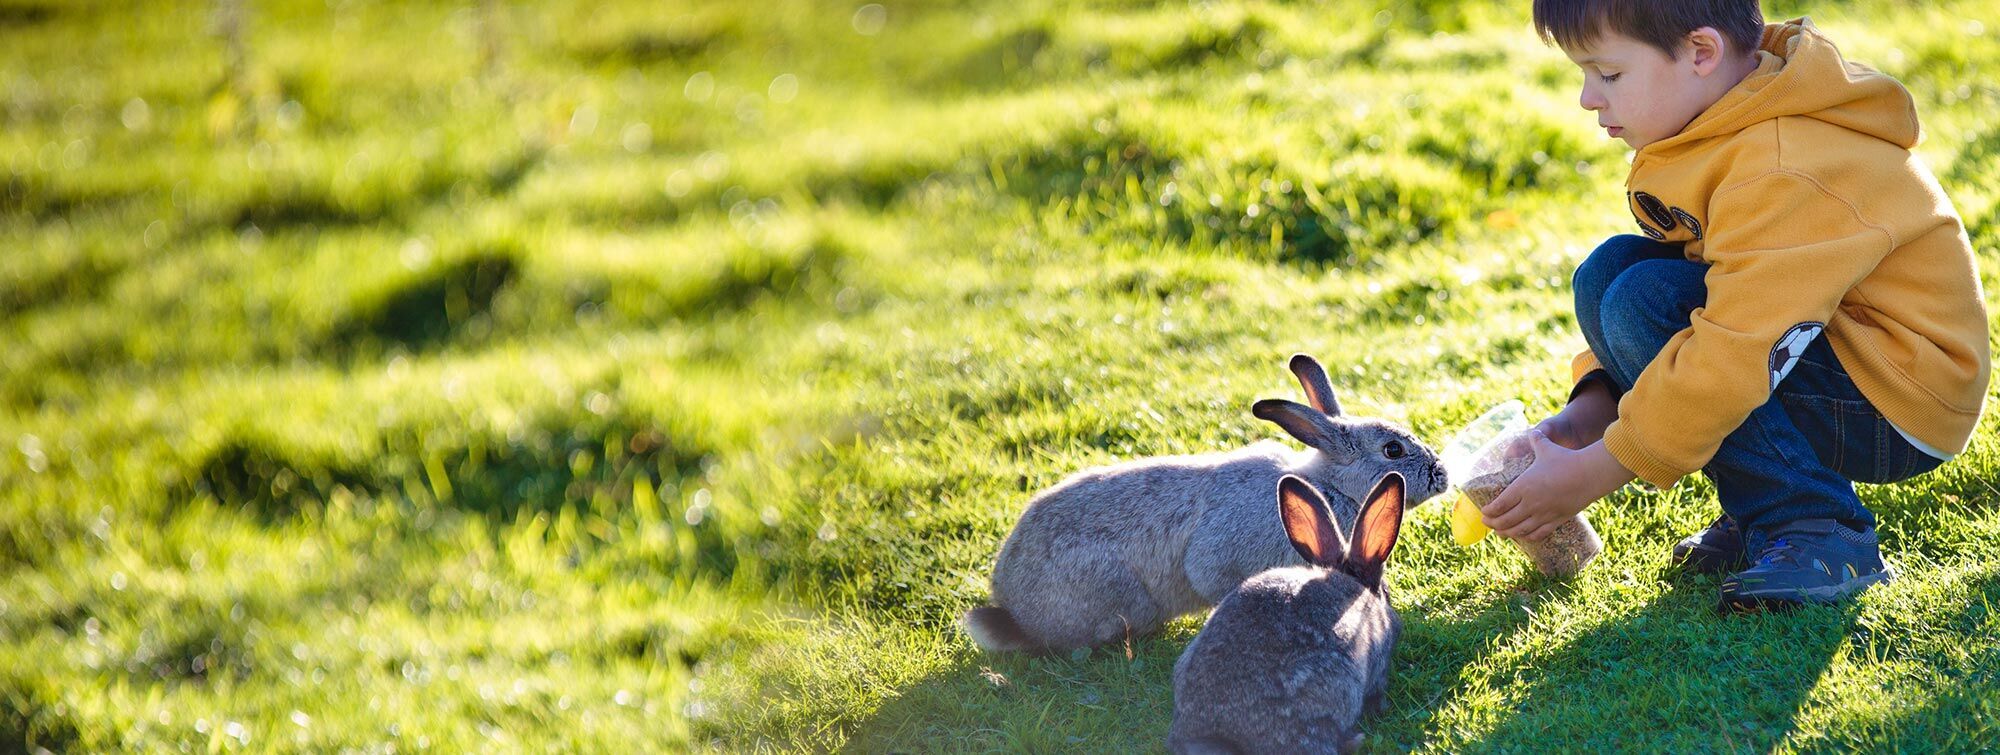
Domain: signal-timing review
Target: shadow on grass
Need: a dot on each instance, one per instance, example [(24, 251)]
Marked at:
[(1544, 665), (1955, 709), (1743, 677), (1437, 649), (1120, 698), (1114, 699)]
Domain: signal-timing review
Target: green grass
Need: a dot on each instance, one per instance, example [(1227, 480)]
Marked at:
[(507, 376)]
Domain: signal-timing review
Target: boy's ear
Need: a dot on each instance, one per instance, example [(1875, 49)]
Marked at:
[(1706, 48)]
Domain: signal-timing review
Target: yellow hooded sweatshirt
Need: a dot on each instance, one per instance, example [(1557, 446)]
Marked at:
[(1799, 191)]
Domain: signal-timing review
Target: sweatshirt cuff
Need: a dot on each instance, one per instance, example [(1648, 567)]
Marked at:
[(1599, 376), (1583, 364), (1642, 463)]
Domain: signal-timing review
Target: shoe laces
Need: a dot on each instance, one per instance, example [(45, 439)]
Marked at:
[(1780, 548)]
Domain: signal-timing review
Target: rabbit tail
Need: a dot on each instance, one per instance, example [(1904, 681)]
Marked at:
[(994, 629)]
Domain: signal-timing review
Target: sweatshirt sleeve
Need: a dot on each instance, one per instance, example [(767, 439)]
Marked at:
[(1783, 251), (1582, 365)]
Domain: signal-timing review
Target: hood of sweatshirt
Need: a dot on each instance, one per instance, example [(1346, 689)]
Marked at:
[(1800, 73)]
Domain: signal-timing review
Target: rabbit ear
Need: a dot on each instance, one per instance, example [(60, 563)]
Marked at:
[(1312, 377), (1307, 424), (1309, 523), (1375, 531), (1295, 418)]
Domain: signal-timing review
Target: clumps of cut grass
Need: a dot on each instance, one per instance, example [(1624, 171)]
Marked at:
[(1071, 43), (1499, 145), (59, 266), (764, 256), (33, 717), (319, 194), (447, 301), (42, 197), (673, 40), (543, 467), (1131, 175), (15, 16)]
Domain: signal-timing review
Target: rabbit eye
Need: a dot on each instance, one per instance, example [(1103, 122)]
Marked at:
[(1394, 449)]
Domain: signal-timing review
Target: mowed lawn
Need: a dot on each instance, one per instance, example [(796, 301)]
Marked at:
[(657, 376)]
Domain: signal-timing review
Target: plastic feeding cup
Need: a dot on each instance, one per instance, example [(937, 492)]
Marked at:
[(1482, 460), (1472, 445)]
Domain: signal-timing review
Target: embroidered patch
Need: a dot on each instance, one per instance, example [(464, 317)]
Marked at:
[(1693, 226), (1655, 209), (1785, 355), (1656, 235)]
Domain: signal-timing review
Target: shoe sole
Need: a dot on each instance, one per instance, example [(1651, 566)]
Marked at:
[(1787, 599)]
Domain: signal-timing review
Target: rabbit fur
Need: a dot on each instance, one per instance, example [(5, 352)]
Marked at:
[(1118, 551), (1294, 658)]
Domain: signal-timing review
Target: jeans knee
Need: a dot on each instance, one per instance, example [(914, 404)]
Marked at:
[(1606, 262), (1647, 304)]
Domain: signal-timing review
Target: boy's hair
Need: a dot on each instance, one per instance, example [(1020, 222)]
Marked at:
[(1664, 24)]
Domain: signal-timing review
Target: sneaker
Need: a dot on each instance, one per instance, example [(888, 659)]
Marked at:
[(1716, 550), (1808, 561)]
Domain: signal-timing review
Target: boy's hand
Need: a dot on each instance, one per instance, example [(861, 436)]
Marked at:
[(1582, 421), (1558, 430), (1557, 486)]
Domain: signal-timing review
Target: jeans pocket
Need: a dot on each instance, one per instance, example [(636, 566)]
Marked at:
[(1893, 458), (1913, 461), (1825, 423)]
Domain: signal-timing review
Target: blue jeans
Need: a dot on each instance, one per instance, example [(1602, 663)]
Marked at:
[(1797, 456)]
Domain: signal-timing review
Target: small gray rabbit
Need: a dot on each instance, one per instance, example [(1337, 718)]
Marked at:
[(1117, 551), (1293, 659)]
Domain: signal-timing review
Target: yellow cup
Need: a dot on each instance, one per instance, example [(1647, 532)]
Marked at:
[(1466, 527)]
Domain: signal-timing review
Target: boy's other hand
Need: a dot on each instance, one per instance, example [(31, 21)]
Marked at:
[(1583, 420), (1560, 484), (1558, 429)]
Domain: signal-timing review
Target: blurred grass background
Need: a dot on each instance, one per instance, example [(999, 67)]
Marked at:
[(655, 376)]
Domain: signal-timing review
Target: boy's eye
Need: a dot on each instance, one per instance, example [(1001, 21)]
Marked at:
[(1610, 77)]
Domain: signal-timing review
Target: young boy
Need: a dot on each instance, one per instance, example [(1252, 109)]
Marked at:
[(1802, 312)]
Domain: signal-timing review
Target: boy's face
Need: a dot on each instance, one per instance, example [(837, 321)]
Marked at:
[(1639, 94)]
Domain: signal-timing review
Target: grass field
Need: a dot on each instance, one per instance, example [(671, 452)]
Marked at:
[(510, 376)]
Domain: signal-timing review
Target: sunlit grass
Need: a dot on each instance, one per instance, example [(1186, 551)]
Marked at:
[(482, 376)]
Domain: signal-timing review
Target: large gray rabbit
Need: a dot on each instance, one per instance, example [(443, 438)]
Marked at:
[(1117, 551), (1291, 661)]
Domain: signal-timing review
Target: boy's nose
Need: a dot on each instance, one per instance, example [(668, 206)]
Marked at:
[(1590, 100)]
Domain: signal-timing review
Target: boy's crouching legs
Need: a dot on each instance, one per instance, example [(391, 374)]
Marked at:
[(1806, 535), (1822, 549)]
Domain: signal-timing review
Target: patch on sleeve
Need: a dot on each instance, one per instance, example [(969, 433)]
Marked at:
[(1688, 222), (1785, 355), (1655, 209)]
